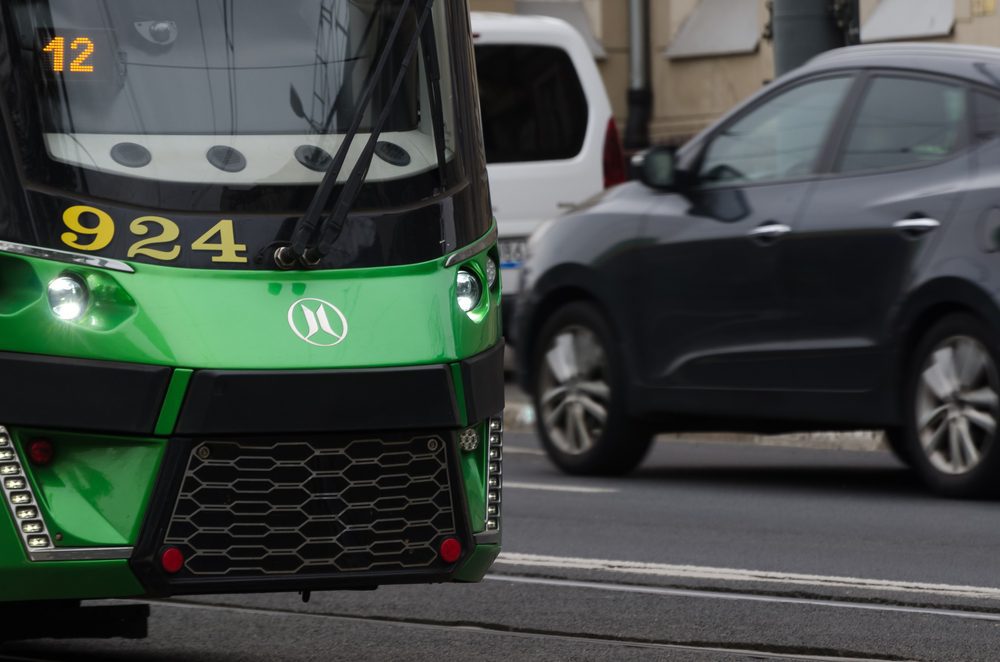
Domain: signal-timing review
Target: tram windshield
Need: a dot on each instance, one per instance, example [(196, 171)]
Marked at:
[(217, 102)]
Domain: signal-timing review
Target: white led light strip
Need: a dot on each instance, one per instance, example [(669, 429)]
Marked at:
[(494, 474), (20, 498)]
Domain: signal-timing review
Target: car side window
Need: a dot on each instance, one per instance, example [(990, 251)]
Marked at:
[(779, 139), (903, 122), (986, 113)]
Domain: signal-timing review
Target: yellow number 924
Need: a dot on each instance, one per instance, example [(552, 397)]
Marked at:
[(103, 232)]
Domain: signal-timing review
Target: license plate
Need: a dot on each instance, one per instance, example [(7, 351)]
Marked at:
[(512, 252)]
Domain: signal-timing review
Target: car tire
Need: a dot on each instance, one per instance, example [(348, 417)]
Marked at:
[(579, 394), (952, 409)]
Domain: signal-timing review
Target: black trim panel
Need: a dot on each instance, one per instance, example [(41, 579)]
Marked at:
[(294, 401), (508, 308), (484, 384), (290, 401), (80, 394)]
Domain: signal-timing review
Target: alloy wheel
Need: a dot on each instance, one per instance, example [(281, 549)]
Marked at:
[(575, 391), (957, 405)]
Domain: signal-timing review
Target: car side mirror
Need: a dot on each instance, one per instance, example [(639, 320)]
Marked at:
[(657, 169)]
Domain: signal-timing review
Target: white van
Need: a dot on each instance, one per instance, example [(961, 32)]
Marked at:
[(551, 140)]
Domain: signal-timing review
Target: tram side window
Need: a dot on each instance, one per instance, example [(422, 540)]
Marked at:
[(533, 105)]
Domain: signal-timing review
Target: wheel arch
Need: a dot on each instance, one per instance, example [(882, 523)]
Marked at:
[(572, 284), (930, 304)]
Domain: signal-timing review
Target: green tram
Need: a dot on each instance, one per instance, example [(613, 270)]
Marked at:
[(249, 304)]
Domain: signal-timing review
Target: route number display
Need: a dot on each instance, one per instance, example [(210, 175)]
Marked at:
[(76, 55), (82, 48)]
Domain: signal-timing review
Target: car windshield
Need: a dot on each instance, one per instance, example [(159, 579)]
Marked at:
[(212, 101)]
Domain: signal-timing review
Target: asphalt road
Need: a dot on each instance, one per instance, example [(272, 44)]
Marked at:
[(712, 551)]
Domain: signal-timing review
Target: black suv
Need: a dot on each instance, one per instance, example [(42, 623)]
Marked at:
[(827, 256)]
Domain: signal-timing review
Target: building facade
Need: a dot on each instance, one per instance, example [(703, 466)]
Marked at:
[(707, 55)]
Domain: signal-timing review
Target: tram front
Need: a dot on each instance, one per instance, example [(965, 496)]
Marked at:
[(249, 304)]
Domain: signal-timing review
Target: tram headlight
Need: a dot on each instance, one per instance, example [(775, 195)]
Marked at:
[(68, 297), (38, 541), (34, 526), (468, 290), (491, 273)]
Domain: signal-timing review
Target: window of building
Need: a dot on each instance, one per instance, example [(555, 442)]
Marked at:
[(779, 139), (909, 19), (718, 27), (905, 121), (533, 106)]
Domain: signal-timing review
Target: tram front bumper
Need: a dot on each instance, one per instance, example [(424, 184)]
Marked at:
[(262, 480)]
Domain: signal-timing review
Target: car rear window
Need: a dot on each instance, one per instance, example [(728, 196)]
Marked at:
[(533, 105), (903, 122)]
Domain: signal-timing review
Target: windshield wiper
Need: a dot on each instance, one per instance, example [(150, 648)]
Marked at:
[(433, 65), (300, 249)]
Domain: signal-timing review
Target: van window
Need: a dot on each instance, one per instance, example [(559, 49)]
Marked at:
[(533, 106)]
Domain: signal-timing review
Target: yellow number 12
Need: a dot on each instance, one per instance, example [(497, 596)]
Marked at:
[(57, 47)]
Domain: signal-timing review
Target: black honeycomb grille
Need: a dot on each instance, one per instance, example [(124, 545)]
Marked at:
[(257, 508)]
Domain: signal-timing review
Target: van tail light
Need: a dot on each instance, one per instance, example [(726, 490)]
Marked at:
[(614, 156)]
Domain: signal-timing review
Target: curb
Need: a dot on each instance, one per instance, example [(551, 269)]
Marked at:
[(519, 416)]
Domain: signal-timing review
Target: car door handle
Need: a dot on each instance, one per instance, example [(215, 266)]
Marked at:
[(914, 226), (769, 231)]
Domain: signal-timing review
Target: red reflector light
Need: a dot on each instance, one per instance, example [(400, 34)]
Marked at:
[(451, 550), (172, 560), (41, 452), (614, 157)]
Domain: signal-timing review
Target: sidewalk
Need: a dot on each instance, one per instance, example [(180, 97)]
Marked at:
[(519, 416)]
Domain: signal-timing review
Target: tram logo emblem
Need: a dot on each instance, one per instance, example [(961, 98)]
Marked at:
[(317, 322)]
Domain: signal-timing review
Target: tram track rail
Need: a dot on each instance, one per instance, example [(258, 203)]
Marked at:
[(775, 597), (710, 649)]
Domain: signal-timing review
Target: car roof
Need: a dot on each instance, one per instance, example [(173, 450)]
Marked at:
[(980, 64)]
